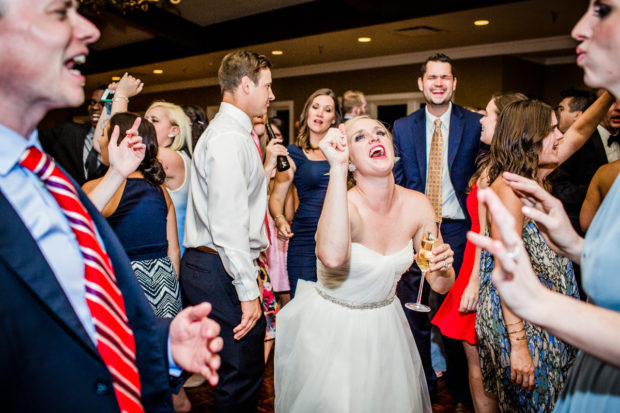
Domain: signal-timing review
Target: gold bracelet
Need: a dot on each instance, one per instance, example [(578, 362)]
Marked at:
[(117, 97), (516, 331), (278, 216), (521, 338), (512, 324)]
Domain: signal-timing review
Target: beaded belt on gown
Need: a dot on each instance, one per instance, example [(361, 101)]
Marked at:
[(354, 306)]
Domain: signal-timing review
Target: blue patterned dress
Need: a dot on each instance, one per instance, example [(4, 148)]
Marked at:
[(552, 357)]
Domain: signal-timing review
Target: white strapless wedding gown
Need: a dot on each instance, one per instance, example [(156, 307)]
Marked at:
[(343, 344)]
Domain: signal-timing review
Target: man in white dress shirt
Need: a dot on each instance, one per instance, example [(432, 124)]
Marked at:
[(225, 231)]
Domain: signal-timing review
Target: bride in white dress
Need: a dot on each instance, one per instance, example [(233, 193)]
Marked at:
[(343, 343)]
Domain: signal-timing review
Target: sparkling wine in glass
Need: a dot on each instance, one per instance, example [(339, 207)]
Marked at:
[(423, 260)]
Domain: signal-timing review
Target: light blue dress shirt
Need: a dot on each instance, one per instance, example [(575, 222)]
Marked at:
[(47, 224)]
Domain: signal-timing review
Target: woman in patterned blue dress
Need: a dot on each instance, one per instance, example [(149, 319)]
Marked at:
[(522, 364), (593, 384), (309, 174)]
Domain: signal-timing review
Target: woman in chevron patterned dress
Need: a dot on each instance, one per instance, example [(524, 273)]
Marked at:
[(141, 213)]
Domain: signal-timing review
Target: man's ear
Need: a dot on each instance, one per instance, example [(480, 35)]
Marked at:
[(246, 84), (356, 111), (420, 84)]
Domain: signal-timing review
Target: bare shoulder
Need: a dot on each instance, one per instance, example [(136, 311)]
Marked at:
[(606, 175), (508, 196)]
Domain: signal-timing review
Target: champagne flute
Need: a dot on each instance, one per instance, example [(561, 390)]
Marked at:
[(423, 260)]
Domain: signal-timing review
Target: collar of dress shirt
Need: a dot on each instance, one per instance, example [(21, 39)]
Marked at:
[(445, 118), (13, 145), (238, 115), (604, 133)]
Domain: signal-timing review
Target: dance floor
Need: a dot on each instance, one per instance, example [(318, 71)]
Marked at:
[(202, 396)]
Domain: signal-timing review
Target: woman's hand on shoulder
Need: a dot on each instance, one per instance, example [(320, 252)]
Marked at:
[(334, 146)]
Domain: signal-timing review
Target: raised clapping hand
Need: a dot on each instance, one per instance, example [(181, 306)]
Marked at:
[(195, 342), (126, 156), (334, 147), (127, 87)]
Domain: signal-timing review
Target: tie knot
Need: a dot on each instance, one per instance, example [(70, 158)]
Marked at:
[(35, 161), (437, 123)]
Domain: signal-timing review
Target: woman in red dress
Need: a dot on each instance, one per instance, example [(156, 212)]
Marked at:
[(456, 318)]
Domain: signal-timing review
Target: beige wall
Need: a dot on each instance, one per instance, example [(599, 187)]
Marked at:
[(478, 79)]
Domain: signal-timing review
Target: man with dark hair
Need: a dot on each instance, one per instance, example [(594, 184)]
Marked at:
[(78, 334), (71, 144), (574, 102), (570, 181), (225, 231), (438, 146), (354, 104)]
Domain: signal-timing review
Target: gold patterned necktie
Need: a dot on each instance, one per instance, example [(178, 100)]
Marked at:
[(433, 177)]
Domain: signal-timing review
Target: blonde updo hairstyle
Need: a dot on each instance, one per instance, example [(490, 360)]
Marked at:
[(177, 117)]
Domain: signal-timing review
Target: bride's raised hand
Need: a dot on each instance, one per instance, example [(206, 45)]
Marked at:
[(334, 146)]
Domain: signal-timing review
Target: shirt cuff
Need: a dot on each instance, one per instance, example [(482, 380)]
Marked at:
[(247, 288), (173, 369)]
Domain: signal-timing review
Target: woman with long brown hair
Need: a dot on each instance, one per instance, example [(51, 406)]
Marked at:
[(309, 174), (522, 364), (595, 378)]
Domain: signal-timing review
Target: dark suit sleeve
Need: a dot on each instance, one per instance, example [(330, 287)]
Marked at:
[(399, 175), (49, 139)]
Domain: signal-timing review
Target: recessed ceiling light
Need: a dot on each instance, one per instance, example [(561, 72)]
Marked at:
[(158, 71), (116, 78), (364, 39), (277, 52), (481, 22)]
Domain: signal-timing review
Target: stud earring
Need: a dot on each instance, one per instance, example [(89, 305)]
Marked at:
[(352, 167)]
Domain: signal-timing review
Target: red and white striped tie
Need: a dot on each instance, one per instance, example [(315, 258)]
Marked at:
[(115, 341)]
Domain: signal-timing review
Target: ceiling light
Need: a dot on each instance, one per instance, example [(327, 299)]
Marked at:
[(158, 71), (116, 78), (277, 52), (364, 39), (481, 22)]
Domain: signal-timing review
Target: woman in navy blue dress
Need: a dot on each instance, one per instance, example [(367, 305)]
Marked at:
[(309, 175)]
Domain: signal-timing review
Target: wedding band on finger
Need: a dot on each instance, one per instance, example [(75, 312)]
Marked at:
[(513, 254)]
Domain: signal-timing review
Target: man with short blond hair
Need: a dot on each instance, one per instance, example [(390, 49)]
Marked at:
[(225, 230), (354, 104)]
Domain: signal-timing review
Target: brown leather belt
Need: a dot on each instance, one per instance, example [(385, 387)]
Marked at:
[(207, 250)]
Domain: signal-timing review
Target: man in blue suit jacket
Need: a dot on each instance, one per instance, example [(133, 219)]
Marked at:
[(412, 139), (48, 354)]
